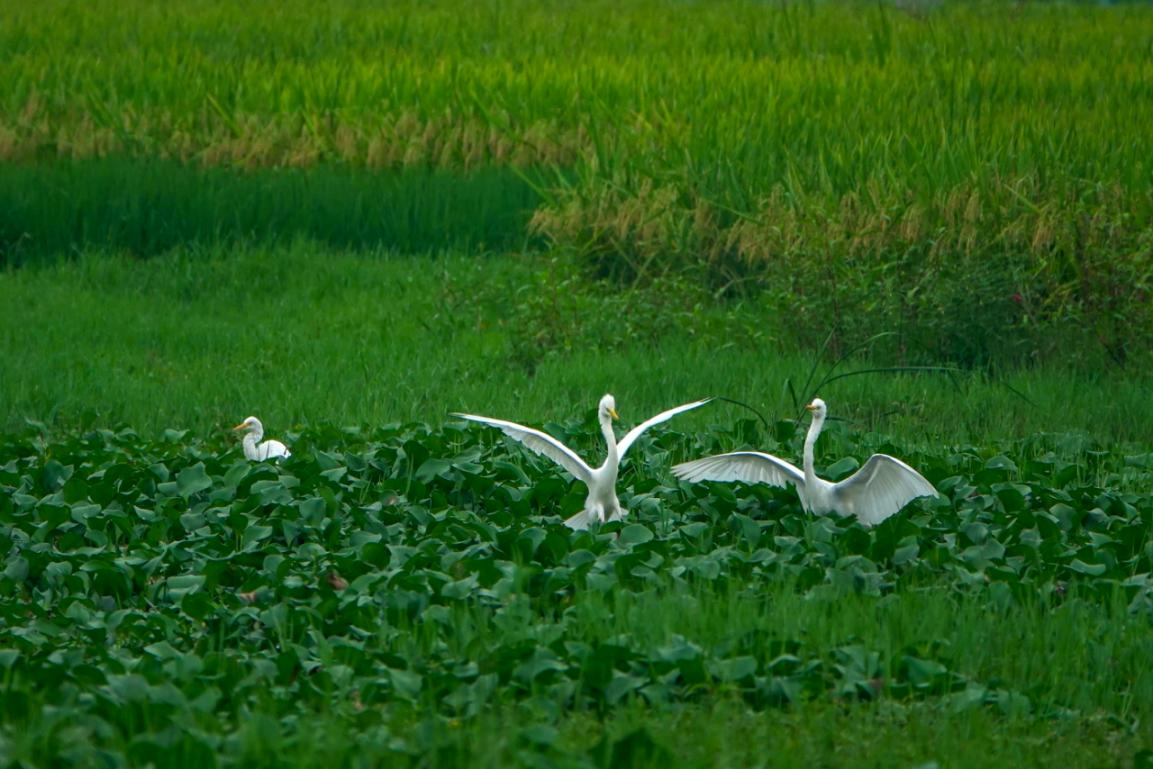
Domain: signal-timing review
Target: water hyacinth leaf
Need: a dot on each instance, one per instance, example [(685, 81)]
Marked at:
[(273, 492), (55, 475), (130, 688), (556, 545), (197, 605), (750, 530), (1013, 496), (976, 533), (1065, 515), (543, 662), (235, 474), (971, 697), (461, 588), (16, 569), (176, 588), (1001, 463), (192, 479), (693, 530), (842, 469), (83, 512), (433, 468), (983, 556), (622, 685), (254, 533), (406, 683), (735, 669), (635, 534), (312, 509), (778, 690), (507, 471), (376, 554), (923, 674), (1092, 569), (334, 474), (905, 554), (530, 540)]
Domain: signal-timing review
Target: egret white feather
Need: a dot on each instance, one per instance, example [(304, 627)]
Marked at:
[(878, 490), (602, 504), (254, 450)]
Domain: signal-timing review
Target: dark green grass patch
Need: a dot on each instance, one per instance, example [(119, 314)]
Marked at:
[(146, 207)]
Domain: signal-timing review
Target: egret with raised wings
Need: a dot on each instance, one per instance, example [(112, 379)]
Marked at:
[(879, 489), (254, 450), (601, 505)]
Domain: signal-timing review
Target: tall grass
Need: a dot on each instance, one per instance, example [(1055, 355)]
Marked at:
[(145, 207), (736, 97), (202, 337), (974, 176)]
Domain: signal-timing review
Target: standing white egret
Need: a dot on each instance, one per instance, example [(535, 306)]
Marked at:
[(602, 504), (256, 451), (879, 489)]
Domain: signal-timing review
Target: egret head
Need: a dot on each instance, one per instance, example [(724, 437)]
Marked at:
[(608, 409), (250, 425), (818, 408)]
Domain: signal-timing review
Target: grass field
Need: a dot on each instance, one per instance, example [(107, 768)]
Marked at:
[(303, 335), (973, 176), (355, 218)]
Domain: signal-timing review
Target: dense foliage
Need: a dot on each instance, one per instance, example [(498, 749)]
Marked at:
[(156, 597), (699, 190)]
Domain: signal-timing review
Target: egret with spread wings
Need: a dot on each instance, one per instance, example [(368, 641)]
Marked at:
[(879, 489), (601, 505)]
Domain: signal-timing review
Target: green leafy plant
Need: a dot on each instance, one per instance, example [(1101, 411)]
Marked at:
[(169, 588)]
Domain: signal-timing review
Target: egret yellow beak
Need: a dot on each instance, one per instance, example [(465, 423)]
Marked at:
[(810, 407), (613, 413), (241, 426)]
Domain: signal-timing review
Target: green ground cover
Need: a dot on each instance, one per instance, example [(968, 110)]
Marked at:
[(410, 595), (352, 218)]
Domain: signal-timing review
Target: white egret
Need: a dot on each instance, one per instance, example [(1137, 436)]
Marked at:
[(879, 489), (601, 505), (256, 451)]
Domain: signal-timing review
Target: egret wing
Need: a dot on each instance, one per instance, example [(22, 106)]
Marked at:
[(584, 520), (272, 450), (747, 466), (882, 486), (539, 442), (664, 416)]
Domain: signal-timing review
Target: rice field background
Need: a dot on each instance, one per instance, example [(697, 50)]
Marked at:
[(353, 218), (973, 176)]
